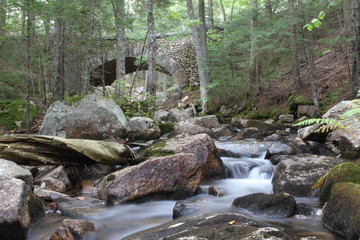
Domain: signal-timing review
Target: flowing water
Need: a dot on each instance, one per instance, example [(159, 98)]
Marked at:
[(247, 175)]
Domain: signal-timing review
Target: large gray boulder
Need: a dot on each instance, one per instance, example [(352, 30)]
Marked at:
[(347, 138), (94, 117), (176, 115), (143, 128), (296, 174), (19, 208), (12, 170), (229, 226), (201, 145), (170, 177)]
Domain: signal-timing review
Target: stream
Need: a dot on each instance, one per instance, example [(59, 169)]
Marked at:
[(248, 174)]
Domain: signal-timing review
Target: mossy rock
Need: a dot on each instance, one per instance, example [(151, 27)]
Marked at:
[(342, 211), (13, 114), (344, 172), (166, 127), (300, 100), (155, 150)]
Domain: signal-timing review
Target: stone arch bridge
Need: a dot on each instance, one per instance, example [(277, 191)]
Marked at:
[(175, 58)]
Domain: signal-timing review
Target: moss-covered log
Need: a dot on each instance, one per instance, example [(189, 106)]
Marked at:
[(50, 150)]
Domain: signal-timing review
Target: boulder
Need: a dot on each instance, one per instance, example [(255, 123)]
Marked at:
[(19, 208), (341, 212), (143, 128), (273, 205), (224, 131), (287, 118), (160, 116), (236, 122), (306, 110), (80, 207), (184, 208), (48, 195), (201, 145), (261, 125), (209, 121), (347, 137), (229, 226), (192, 129), (94, 117), (310, 134), (344, 172), (56, 179), (12, 170), (170, 177), (176, 115), (243, 148), (279, 149), (71, 229), (296, 174), (226, 112), (173, 98)]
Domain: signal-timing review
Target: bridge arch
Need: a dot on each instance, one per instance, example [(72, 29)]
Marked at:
[(170, 60)]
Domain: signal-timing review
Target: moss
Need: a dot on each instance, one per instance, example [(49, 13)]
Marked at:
[(300, 100), (36, 209), (73, 99), (156, 150), (166, 127), (13, 114), (344, 172)]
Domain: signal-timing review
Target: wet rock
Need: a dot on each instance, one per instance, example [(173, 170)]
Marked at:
[(224, 131), (201, 145), (229, 226), (344, 172), (171, 177), (304, 209), (245, 148), (319, 149), (184, 208), (73, 229), (80, 207), (272, 137), (94, 117), (279, 149), (143, 128), (48, 194), (19, 208), (341, 212), (295, 174), (274, 205), (12, 170), (215, 191), (296, 143), (56, 179)]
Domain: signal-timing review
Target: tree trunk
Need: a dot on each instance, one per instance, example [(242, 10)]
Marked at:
[(151, 51), (310, 64), (355, 6), (254, 65), (2, 17), (268, 9), (29, 31), (59, 52), (199, 38), (294, 49), (232, 10), (222, 10), (119, 12), (211, 14)]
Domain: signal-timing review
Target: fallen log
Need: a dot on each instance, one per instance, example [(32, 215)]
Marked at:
[(50, 150)]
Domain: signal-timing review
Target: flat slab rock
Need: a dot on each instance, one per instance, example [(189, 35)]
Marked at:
[(229, 226)]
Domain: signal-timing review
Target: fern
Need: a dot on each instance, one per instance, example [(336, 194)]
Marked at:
[(318, 185), (351, 112)]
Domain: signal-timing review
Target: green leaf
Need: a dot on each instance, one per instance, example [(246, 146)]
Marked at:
[(321, 15), (309, 27), (316, 22)]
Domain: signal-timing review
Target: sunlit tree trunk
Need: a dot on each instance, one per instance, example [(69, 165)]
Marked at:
[(254, 65), (199, 38), (151, 50), (2, 17), (223, 10), (59, 52), (119, 12), (355, 6), (310, 64), (211, 14), (294, 48)]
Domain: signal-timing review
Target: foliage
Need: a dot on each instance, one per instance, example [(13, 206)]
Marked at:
[(13, 114), (73, 99), (299, 99), (166, 127)]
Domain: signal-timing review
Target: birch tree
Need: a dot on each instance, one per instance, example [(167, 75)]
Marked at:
[(151, 86), (198, 32)]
